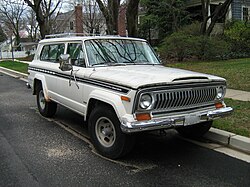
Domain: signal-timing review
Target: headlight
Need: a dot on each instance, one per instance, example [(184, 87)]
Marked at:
[(220, 92), (145, 101)]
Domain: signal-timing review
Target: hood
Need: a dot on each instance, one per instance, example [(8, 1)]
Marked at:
[(135, 76)]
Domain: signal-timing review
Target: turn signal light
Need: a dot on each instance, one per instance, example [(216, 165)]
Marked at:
[(124, 98), (143, 116), (219, 105)]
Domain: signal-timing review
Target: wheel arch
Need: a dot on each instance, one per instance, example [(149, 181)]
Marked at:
[(113, 101), (40, 80)]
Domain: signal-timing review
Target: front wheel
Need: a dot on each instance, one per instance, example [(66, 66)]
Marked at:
[(46, 109), (195, 131), (106, 134)]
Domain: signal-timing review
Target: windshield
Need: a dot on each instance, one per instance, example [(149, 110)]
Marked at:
[(119, 52)]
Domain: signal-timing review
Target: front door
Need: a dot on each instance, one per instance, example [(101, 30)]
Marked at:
[(70, 86)]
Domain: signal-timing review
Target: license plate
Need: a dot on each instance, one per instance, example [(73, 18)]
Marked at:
[(192, 119)]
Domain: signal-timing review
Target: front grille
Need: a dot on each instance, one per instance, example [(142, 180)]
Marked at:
[(175, 99)]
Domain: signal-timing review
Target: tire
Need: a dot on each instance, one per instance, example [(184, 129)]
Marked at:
[(195, 131), (106, 135), (46, 109)]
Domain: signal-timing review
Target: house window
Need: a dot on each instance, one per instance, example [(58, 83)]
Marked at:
[(71, 25), (245, 13)]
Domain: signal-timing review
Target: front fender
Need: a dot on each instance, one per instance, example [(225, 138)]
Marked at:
[(110, 98)]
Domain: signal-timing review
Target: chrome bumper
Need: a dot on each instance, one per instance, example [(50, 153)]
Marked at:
[(172, 122)]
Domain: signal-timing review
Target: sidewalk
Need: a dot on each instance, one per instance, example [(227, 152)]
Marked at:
[(238, 95)]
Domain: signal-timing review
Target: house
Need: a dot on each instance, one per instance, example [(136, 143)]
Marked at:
[(238, 10), (88, 21), (28, 45), (80, 21), (69, 22)]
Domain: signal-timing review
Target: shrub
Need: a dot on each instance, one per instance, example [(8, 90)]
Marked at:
[(211, 48), (237, 33), (187, 43), (177, 45)]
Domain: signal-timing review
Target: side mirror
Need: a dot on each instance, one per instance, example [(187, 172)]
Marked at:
[(65, 62)]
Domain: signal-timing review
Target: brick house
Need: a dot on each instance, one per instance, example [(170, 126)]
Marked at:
[(69, 22), (75, 22)]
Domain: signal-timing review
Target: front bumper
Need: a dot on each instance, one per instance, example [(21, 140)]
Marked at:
[(172, 122)]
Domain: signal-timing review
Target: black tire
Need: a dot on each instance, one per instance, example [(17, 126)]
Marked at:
[(46, 109), (106, 135), (195, 131)]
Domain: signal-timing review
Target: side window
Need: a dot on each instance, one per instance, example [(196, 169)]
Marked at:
[(45, 53), (52, 52), (76, 54)]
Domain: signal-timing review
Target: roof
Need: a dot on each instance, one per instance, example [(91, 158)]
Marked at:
[(82, 38)]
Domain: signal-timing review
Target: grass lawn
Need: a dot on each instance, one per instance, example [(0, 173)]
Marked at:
[(236, 71), (239, 121), (17, 66)]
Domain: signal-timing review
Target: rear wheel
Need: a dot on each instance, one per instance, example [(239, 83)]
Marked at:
[(46, 109), (106, 134), (195, 131)]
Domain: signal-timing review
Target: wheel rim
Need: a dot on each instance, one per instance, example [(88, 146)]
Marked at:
[(105, 132), (41, 100)]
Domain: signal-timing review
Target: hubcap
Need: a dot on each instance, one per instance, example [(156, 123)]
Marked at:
[(105, 132), (41, 100)]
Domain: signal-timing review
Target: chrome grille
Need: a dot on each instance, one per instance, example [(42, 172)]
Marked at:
[(184, 98)]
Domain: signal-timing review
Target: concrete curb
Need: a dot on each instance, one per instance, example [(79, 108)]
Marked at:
[(223, 137), (22, 61), (15, 74), (229, 139)]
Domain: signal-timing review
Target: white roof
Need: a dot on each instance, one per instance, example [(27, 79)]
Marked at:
[(83, 38)]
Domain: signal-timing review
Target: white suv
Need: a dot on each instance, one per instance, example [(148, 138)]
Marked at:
[(120, 87)]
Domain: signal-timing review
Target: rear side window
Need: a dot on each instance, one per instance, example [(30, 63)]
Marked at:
[(52, 52)]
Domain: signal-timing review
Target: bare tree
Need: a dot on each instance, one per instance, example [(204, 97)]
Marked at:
[(69, 5), (44, 10), (110, 11), (11, 12), (92, 17), (219, 13), (31, 24)]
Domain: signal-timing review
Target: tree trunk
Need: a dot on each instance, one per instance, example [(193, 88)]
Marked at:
[(110, 12), (17, 38), (204, 6), (44, 29), (132, 17), (219, 13)]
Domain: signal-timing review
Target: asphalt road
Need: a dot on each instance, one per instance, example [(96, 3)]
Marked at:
[(35, 151)]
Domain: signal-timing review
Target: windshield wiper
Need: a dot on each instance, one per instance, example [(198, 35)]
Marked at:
[(139, 63), (109, 64), (116, 64)]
